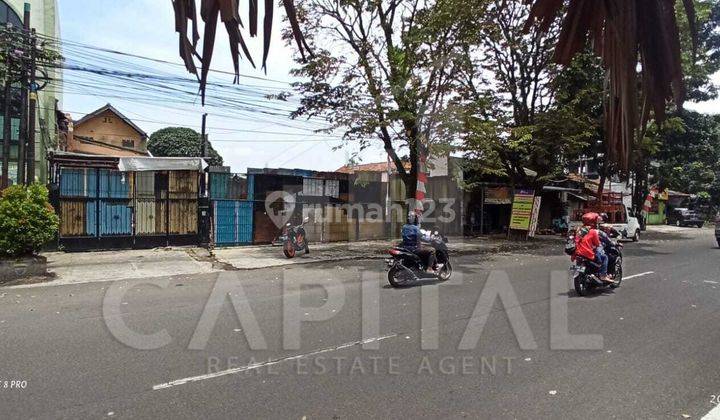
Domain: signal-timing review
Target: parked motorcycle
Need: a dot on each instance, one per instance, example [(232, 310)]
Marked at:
[(585, 272), (405, 267), (294, 239)]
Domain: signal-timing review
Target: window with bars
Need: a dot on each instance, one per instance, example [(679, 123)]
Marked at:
[(332, 188), (313, 187)]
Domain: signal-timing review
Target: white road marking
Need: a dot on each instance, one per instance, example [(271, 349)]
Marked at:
[(638, 275), (714, 414), (226, 372), (711, 282)]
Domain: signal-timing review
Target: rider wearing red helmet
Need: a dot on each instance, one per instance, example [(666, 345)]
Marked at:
[(589, 244)]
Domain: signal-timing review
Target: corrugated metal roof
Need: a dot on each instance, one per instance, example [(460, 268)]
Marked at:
[(370, 167)]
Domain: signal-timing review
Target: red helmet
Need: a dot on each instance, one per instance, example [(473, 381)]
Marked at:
[(590, 219)]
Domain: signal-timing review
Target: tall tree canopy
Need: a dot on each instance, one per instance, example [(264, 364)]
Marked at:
[(180, 142), (521, 109), (384, 70), (701, 64), (687, 153)]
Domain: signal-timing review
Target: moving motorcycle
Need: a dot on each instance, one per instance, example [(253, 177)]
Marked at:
[(294, 239), (406, 267), (585, 272)]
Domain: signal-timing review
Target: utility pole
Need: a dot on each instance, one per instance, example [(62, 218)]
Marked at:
[(32, 107), (203, 138), (6, 122), (204, 203), (22, 159)]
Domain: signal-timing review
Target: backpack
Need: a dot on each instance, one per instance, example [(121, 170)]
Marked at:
[(572, 240)]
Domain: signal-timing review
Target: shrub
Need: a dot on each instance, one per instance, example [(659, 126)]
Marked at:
[(27, 220)]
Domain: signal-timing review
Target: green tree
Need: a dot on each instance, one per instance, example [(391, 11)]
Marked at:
[(688, 152), (700, 60), (523, 111), (384, 71), (181, 142), (701, 63)]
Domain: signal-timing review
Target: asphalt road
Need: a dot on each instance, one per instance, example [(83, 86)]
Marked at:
[(659, 357)]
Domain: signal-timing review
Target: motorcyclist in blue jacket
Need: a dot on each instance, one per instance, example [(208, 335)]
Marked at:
[(412, 237)]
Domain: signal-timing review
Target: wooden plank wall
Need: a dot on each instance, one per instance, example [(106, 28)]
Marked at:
[(183, 184), (72, 218), (183, 193), (145, 217), (160, 217), (265, 229), (183, 217), (336, 224)]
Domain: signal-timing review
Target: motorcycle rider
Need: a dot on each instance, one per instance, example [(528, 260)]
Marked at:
[(589, 244), (606, 228), (412, 237), (607, 232)]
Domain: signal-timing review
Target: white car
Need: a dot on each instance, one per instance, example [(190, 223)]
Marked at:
[(629, 229)]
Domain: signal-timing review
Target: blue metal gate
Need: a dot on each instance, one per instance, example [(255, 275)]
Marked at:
[(115, 215), (232, 208), (233, 222)]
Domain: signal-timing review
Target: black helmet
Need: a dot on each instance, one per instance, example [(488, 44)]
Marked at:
[(412, 218), (604, 217)]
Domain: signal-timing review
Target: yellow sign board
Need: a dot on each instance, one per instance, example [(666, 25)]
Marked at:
[(522, 210)]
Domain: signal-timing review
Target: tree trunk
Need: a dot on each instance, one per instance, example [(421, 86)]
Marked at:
[(603, 177), (601, 186)]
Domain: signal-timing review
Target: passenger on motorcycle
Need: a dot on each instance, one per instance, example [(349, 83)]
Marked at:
[(412, 237), (590, 244)]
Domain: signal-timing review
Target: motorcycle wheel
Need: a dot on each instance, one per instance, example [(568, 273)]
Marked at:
[(289, 250), (395, 275), (446, 272), (618, 274), (581, 286)]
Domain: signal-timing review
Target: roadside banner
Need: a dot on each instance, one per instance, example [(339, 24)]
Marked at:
[(522, 210), (535, 216)]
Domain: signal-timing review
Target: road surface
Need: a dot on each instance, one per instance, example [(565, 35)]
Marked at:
[(64, 354)]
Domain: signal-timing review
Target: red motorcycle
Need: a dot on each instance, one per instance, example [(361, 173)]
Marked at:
[(294, 239)]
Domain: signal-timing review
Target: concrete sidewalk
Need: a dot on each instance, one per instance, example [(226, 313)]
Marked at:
[(90, 267), (255, 257)]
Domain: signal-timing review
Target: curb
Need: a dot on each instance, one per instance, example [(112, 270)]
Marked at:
[(381, 254)]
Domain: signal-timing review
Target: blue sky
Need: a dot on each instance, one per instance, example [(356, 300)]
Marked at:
[(146, 28)]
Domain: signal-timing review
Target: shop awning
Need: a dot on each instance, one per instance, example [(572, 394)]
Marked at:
[(146, 164)]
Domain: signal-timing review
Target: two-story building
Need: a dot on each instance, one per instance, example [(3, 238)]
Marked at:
[(105, 131)]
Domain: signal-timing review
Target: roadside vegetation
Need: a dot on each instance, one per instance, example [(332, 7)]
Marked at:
[(27, 220)]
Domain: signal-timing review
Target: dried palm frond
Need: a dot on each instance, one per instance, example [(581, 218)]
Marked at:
[(228, 11), (624, 33)]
